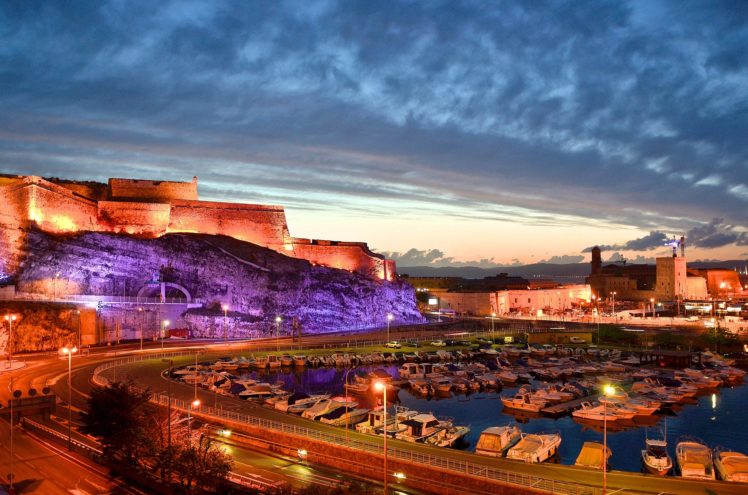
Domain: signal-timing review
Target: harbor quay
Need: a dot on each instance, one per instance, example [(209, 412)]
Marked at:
[(432, 469)]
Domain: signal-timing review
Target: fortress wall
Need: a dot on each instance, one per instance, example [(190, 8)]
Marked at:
[(259, 224), (160, 191), (351, 256), (14, 200), (58, 210), (92, 191), (151, 219)]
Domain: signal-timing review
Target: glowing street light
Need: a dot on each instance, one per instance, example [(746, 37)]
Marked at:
[(390, 317), (192, 405), (493, 316), (608, 390), (10, 319), (225, 308), (140, 321), (614, 306), (164, 326), (69, 351), (278, 321), (382, 387)]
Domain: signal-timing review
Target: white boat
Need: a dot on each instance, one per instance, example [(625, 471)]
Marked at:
[(523, 401), (300, 400), (299, 360), (320, 408), (442, 385), (343, 416), (593, 456), (731, 466), (506, 376), (302, 405), (495, 441), (655, 457), (694, 460), (533, 448), (595, 412), (448, 436), (420, 427), (274, 361)]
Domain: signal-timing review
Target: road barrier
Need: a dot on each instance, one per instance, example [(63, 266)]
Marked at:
[(548, 485)]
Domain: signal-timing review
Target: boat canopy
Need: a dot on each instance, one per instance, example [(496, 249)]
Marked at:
[(591, 455)]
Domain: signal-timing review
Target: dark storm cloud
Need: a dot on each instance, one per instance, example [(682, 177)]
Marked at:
[(618, 112), (653, 240)]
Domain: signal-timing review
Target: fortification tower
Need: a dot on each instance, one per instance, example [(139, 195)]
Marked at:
[(597, 262)]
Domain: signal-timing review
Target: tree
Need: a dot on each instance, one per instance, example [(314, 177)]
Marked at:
[(121, 417), (204, 465)]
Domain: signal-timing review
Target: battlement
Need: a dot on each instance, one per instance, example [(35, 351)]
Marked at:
[(150, 208), (152, 190)]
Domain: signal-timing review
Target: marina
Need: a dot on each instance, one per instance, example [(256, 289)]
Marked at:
[(450, 398)]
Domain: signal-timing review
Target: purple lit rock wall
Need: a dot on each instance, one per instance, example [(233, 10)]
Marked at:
[(257, 283)]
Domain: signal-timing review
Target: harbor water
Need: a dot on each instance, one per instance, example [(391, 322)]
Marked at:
[(717, 417)]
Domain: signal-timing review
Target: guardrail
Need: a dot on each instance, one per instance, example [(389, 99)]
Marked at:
[(431, 460), (62, 436)]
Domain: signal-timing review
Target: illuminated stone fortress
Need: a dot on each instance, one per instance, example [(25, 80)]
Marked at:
[(147, 208)]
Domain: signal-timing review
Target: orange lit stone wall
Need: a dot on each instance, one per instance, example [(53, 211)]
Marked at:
[(152, 190), (351, 256), (258, 224), (158, 207), (148, 219)]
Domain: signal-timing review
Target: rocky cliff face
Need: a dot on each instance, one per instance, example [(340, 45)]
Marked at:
[(258, 284)]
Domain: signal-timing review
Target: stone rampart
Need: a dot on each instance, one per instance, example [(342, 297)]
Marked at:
[(259, 224), (153, 208), (160, 191), (149, 219), (351, 256)]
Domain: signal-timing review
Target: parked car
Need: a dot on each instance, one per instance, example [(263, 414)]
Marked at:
[(393, 344), (412, 344), (577, 340), (439, 343)]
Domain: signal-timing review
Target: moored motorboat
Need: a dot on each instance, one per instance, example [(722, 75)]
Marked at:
[(694, 460), (731, 466), (593, 455), (495, 441), (534, 448), (655, 458)]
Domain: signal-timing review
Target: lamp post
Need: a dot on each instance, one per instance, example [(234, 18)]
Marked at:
[(140, 324), (608, 390), (348, 416), (168, 404), (10, 319), (382, 387), (493, 315), (278, 321), (652, 301), (69, 351), (194, 404), (78, 312), (164, 325), (225, 308), (389, 319), (12, 399)]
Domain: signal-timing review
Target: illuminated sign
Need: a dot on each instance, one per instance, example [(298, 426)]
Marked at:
[(433, 301)]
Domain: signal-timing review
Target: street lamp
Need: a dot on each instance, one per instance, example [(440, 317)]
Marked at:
[(652, 302), (493, 315), (225, 308), (614, 306), (69, 351), (164, 325), (382, 387), (194, 404), (390, 317), (278, 321), (168, 406), (608, 390), (140, 323), (10, 319)]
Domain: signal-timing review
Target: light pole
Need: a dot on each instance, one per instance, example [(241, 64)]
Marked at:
[(225, 308), (164, 325), (389, 319), (69, 351), (12, 399), (278, 321), (608, 390), (78, 312), (652, 301), (195, 403), (10, 319), (382, 387), (140, 324), (614, 307), (348, 416), (168, 404)]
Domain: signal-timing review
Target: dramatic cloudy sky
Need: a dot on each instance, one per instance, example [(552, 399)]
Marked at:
[(447, 132)]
